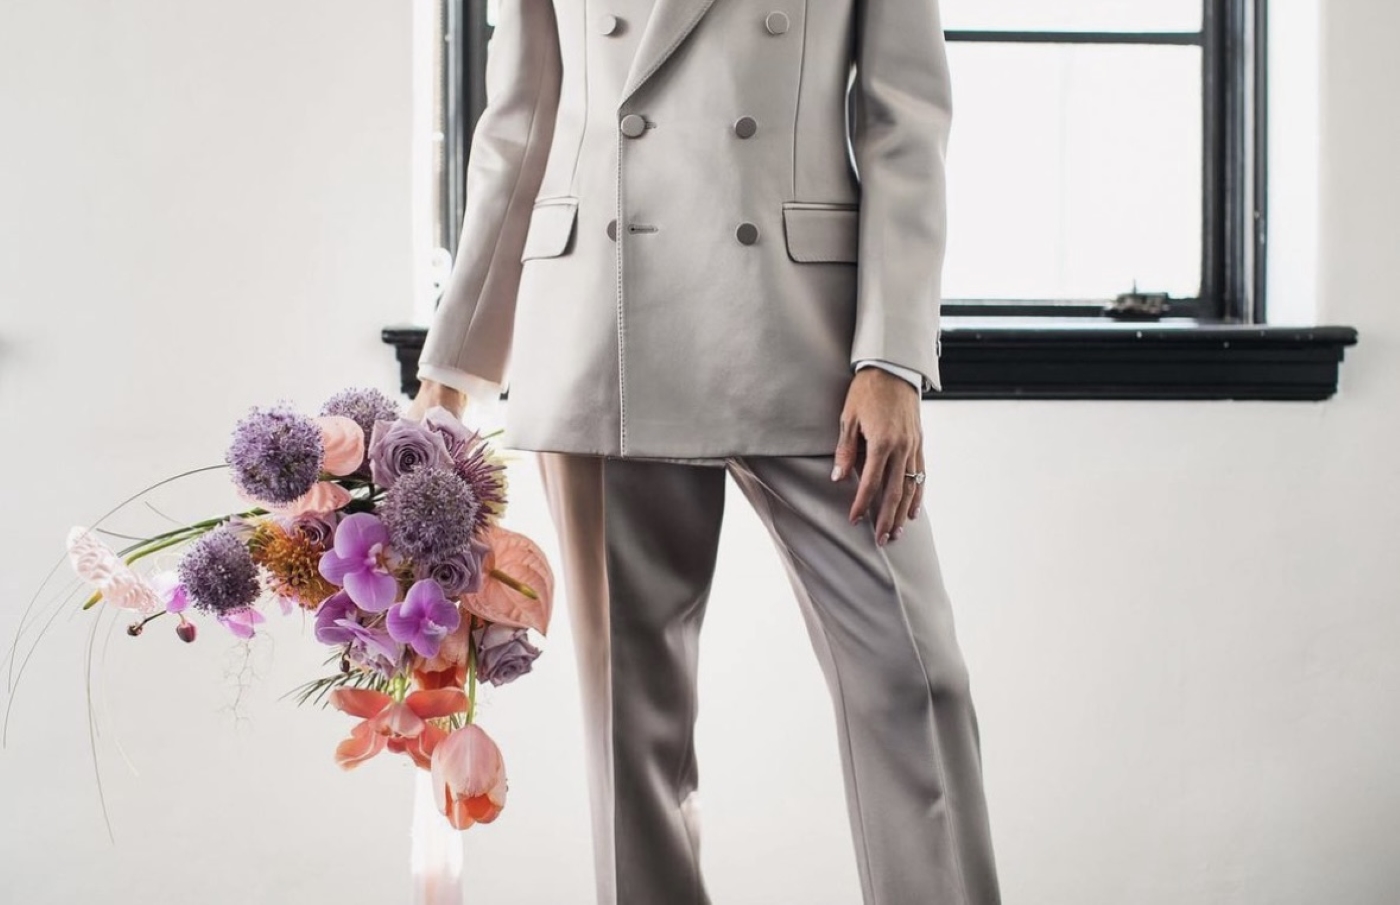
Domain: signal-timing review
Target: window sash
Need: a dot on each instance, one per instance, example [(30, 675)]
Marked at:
[(1234, 149)]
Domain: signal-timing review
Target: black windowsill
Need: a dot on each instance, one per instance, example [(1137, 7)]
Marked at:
[(1083, 359)]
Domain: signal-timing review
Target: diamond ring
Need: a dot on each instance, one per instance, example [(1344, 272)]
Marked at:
[(918, 476)]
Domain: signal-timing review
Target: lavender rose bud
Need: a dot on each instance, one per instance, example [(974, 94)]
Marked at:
[(316, 528), (458, 437), (502, 653), (459, 573), (397, 448)]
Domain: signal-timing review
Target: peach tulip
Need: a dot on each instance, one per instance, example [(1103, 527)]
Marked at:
[(469, 777), (400, 726)]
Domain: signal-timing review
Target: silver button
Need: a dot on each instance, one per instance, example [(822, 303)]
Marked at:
[(776, 22), (633, 125), (747, 233), (745, 126), (612, 230), (609, 24)]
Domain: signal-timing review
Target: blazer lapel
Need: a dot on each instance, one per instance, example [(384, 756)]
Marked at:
[(667, 26)]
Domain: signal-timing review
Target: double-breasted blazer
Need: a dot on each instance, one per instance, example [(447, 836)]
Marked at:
[(687, 219)]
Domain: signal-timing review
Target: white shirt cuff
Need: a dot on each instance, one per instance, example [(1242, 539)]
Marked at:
[(483, 411), (914, 377)]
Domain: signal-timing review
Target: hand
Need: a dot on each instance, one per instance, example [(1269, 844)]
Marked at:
[(432, 393), (884, 409)]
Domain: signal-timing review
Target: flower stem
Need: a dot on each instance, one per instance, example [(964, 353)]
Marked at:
[(471, 670), (196, 528)]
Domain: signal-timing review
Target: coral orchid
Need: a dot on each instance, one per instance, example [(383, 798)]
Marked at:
[(400, 726)]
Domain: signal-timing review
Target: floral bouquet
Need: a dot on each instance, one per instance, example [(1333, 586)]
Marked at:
[(386, 530)]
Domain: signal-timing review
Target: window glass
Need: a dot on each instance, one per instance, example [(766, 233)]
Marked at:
[(1073, 15), (1073, 171)]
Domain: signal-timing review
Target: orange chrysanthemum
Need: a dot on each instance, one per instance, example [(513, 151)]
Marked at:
[(292, 561)]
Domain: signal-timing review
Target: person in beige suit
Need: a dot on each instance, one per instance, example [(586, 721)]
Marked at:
[(703, 239)]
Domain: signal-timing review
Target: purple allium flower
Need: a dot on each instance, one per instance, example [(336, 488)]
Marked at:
[(398, 448), (218, 574), (362, 406), (503, 653), (361, 563), (431, 514), (459, 573), (472, 460), (424, 618), (276, 455)]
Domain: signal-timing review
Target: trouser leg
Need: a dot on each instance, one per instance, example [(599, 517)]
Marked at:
[(638, 542), (881, 624)]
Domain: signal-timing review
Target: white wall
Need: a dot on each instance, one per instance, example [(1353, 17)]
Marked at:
[(1180, 618)]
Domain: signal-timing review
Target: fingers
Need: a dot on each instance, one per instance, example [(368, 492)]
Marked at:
[(845, 448), (872, 477), (916, 496), (891, 499)]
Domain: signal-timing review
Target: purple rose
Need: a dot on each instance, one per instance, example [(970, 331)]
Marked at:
[(502, 653), (454, 433), (459, 573), (317, 529), (397, 448)]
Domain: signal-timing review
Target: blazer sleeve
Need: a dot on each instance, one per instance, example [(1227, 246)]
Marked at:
[(473, 326), (900, 112)]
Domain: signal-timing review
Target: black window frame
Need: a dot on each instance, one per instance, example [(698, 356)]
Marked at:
[(1234, 150), (1217, 345)]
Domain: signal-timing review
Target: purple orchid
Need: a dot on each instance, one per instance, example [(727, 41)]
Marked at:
[(361, 563), (424, 618), (328, 615), (371, 641), (242, 622), (338, 622)]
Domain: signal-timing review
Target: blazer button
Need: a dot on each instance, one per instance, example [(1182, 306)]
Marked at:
[(609, 24), (776, 22), (612, 230), (745, 126), (633, 125), (747, 233)]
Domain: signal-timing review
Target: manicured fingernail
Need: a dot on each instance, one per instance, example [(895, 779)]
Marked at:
[(884, 538), (899, 532), (914, 513), (836, 473)]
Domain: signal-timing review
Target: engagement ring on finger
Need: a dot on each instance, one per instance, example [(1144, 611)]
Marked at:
[(918, 476)]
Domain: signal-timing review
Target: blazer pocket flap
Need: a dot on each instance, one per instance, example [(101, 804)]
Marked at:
[(551, 226), (821, 232)]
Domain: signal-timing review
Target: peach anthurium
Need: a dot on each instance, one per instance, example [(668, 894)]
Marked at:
[(513, 562), (400, 726), (323, 497), (469, 777)]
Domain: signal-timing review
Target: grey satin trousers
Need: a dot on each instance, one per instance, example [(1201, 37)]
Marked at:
[(638, 540)]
